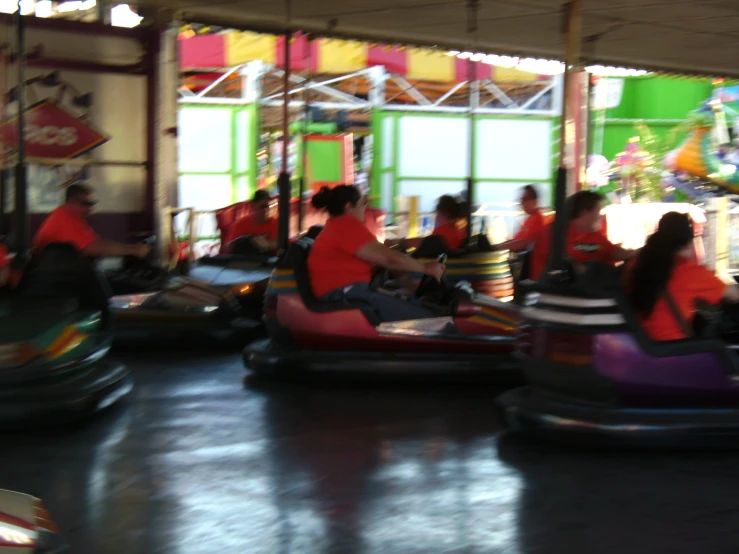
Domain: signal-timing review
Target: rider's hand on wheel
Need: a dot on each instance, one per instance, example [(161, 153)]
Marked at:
[(141, 250), (434, 269), (260, 242)]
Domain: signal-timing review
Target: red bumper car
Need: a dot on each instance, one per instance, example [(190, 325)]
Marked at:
[(470, 337)]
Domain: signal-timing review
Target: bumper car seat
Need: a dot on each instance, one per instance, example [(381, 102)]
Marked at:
[(64, 278), (313, 232), (601, 280), (297, 258)]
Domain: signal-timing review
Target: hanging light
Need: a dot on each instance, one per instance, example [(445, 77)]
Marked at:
[(71, 6), (44, 8), (122, 16)]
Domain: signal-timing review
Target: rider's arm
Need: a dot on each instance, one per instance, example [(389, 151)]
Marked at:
[(378, 254), (621, 254), (101, 248), (731, 294), (514, 245), (408, 243)]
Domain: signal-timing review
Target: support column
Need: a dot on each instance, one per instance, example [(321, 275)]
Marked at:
[(474, 102), (572, 33), (283, 181), (165, 124), (20, 228)]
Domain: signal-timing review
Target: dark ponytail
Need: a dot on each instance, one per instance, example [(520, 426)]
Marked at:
[(656, 261), (335, 200)]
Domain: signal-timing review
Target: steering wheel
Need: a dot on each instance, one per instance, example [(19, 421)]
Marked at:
[(245, 245), (146, 269), (429, 285), (380, 277)]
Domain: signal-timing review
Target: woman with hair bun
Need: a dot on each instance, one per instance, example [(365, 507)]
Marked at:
[(665, 281), (345, 253)]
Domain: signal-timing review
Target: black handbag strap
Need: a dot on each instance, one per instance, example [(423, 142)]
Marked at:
[(684, 326)]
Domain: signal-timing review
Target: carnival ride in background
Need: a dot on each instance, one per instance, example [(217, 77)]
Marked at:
[(704, 164)]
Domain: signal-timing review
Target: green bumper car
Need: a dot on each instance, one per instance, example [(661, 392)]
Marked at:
[(55, 333)]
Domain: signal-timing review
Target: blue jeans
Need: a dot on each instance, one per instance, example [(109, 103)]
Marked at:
[(387, 306)]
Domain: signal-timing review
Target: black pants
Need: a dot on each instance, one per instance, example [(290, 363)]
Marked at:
[(388, 306)]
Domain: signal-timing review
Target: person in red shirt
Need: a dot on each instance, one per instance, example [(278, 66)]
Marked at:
[(665, 272), (451, 224), (532, 225), (584, 242), (4, 265), (68, 224), (258, 224), (345, 253)]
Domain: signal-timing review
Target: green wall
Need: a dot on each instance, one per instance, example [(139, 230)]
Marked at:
[(661, 103)]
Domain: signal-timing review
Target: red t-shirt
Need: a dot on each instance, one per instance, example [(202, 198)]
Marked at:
[(248, 226), (4, 256), (531, 227), (689, 282), (332, 262), (453, 235), (579, 247), (65, 225)]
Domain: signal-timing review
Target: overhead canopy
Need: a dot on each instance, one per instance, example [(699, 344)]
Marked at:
[(690, 36)]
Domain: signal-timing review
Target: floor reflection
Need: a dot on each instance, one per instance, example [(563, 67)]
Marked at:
[(611, 502), (197, 463)]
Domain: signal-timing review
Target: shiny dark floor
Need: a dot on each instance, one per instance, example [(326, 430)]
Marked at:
[(195, 462)]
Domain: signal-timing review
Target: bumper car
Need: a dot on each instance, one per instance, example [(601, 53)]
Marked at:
[(26, 526), (470, 338), (147, 297), (244, 272), (55, 332), (596, 378), (488, 272)]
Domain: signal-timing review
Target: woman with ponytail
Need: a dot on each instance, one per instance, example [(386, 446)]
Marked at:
[(345, 253), (666, 282), (451, 222)]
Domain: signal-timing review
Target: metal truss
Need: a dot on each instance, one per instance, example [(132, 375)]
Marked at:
[(380, 90)]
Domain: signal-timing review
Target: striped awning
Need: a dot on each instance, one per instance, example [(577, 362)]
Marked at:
[(334, 56)]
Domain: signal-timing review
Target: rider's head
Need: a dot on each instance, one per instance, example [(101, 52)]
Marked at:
[(340, 200), (529, 199), (78, 197), (260, 203), (656, 260), (448, 209), (585, 207)]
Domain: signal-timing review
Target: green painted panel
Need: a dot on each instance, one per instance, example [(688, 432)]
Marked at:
[(324, 161), (660, 97)]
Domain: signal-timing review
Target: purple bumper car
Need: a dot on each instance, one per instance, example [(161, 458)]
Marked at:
[(595, 377)]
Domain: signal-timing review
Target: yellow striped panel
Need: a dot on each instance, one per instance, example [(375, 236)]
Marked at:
[(494, 313), (341, 56), (430, 65), (491, 323), (487, 272), (247, 46), (512, 74), (283, 284)]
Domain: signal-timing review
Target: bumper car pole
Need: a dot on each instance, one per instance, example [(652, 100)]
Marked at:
[(21, 199), (283, 181), (304, 143), (573, 23), (472, 7)]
